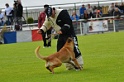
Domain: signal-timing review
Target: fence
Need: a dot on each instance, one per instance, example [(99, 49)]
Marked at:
[(29, 32), (103, 24)]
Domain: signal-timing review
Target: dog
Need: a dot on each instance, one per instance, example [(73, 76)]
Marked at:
[(64, 55)]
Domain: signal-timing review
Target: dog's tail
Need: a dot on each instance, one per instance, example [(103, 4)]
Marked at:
[(38, 54)]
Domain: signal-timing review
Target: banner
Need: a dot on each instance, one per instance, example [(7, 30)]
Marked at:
[(96, 26), (21, 36)]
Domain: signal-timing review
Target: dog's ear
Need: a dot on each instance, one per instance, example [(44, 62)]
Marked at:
[(69, 40)]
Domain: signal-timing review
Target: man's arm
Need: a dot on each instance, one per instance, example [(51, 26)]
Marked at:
[(66, 21), (39, 21)]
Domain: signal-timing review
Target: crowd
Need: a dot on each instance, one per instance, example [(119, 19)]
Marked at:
[(87, 11), (12, 15), (96, 12)]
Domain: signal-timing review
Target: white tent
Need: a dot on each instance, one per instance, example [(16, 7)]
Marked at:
[(52, 2)]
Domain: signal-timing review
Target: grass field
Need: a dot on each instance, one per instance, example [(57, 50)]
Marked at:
[(103, 56)]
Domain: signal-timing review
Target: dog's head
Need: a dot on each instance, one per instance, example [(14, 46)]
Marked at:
[(69, 42)]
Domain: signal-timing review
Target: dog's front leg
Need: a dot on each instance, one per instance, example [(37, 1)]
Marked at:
[(73, 65), (76, 63)]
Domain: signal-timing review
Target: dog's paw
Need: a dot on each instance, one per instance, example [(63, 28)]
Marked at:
[(77, 69)]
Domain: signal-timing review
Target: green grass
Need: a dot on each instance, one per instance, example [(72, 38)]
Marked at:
[(103, 56)]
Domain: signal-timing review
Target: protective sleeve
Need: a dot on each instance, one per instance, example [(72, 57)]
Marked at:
[(46, 25)]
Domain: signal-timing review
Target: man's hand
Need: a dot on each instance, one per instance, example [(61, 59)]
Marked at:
[(39, 31), (59, 32)]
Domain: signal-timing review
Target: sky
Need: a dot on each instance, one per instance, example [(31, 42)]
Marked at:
[(26, 3)]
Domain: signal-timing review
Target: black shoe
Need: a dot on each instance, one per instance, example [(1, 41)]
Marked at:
[(1, 43), (48, 46), (44, 46)]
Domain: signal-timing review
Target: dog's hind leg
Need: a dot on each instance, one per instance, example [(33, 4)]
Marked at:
[(54, 66), (55, 63), (48, 69), (51, 69)]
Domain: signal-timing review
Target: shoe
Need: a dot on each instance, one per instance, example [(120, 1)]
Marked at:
[(85, 34), (44, 46), (48, 46), (1, 43), (69, 66)]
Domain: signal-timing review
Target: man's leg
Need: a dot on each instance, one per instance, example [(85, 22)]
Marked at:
[(8, 22), (116, 25), (44, 39), (49, 38), (84, 29), (61, 41), (11, 20), (20, 22)]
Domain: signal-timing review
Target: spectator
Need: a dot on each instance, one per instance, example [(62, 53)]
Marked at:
[(8, 14), (62, 23), (111, 9), (117, 5), (100, 8), (89, 10), (97, 14), (81, 10), (86, 16), (94, 8), (74, 16), (122, 7), (117, 15), (18, 14), (46, 35), (1, 18)]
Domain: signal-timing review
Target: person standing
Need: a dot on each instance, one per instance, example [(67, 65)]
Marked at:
[(8, 14), (111, 9), (74, 17), (116, 15), (1, 18), (89, 10), (46, 35), (60, 20), (18, 14), (86, 16), (81, 10), (122, 7)]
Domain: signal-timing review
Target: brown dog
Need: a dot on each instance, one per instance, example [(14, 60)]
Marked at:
[(64, 55)]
